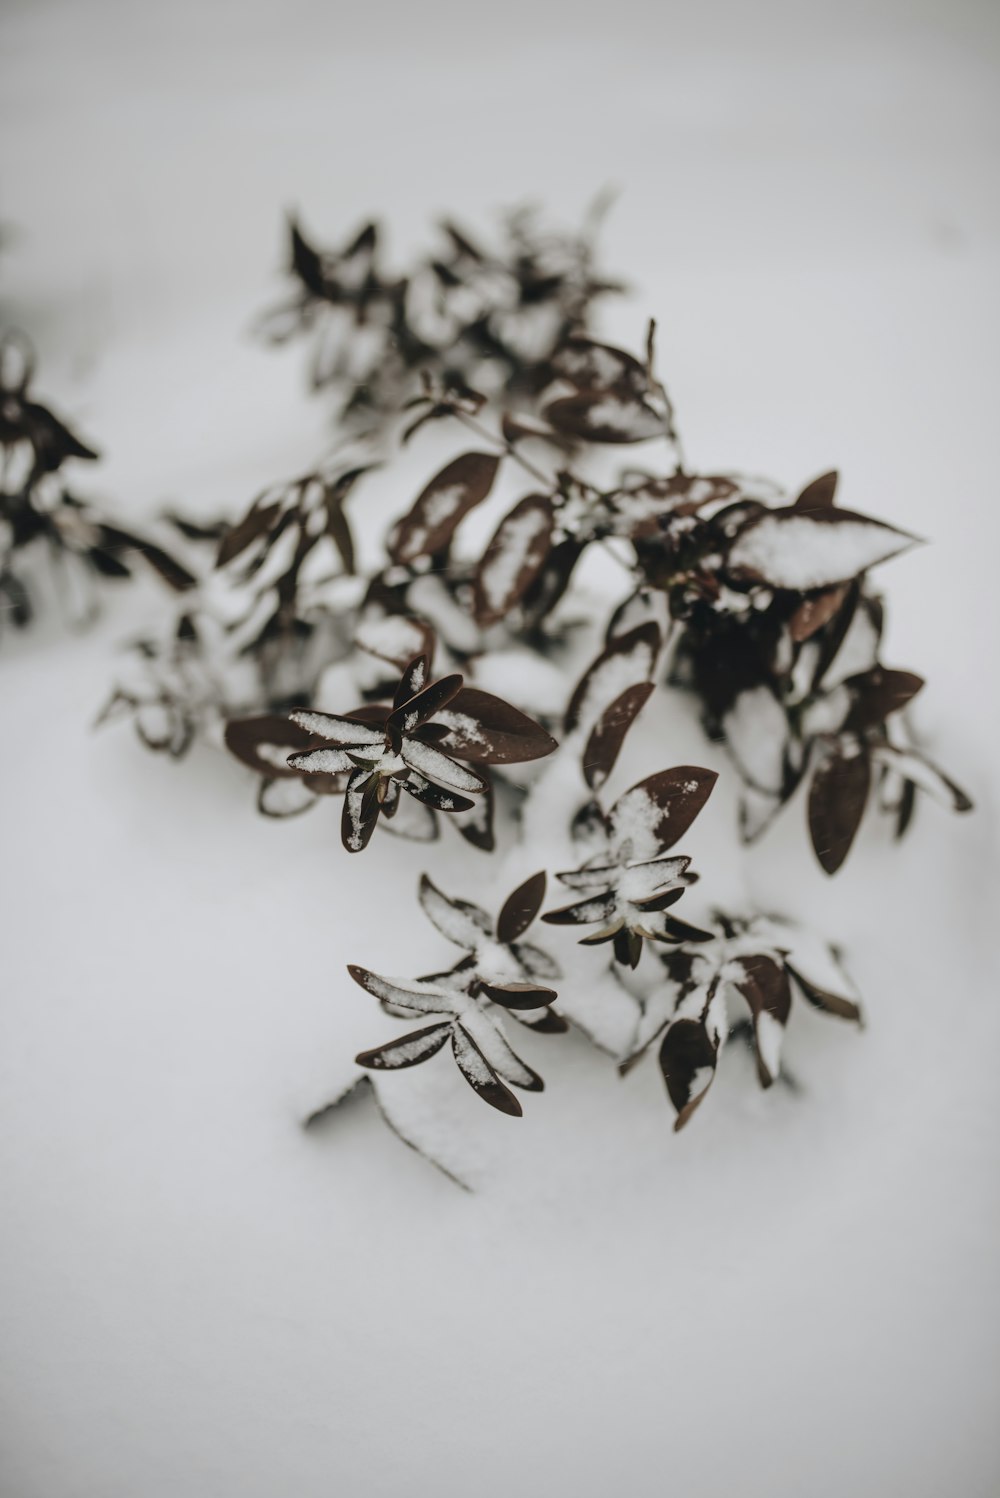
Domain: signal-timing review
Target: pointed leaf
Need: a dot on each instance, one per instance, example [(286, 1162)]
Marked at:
[(520, 908), (410, 714), (766, 988), (792, 548), (435, 796), (822, 998), (438, 509), (519, 995), (876, 694), (419, 998), (484, 729), (837, 798), (440, 768), (608, 735), (459, 921), (688, 1057), (606, 416), (265, 742), (514, 558), (626, 660), (820, 494), (360, 814), (408, 1050), (655, 813), (480, 1075)]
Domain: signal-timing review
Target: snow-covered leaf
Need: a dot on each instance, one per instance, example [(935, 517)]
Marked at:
[(442, 504), (459, 921), (804, 550), (608, 735), (513, 559), (408, 1050), (485, 729), (480, 1075), (651, 816)]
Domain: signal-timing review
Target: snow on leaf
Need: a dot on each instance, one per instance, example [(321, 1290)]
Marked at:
[(412, 712), (766, 988), (480, 1075), (408, 1050), (514, 558), (653, 815), (265, 742), (485, 729), (439, 768), (442, 504), (496, 1050), (605, 416), (628, 659), (402, 993), (793, 549), (459, 921), (284, 798), (333, 729)]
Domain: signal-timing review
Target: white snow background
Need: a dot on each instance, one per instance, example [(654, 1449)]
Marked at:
[(796, 1296)]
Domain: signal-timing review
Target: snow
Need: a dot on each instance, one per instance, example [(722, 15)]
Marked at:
[(200, 1298), (794, 551), (518, 540)]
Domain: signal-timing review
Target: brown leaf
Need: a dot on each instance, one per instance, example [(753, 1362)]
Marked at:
[(822, 998), (629, 655), (598, 367), (265, 742), (837, 798), (766, 988), (820, 494), (254, 524), (520, 908), (519, 995), (480, 1075), (447, 499), (805, 550), (687, 1053), (656, 812), (816, 610), (514, 558), (606, 416), (486, 730), (608, 735), (408, 1050), (878, 693)]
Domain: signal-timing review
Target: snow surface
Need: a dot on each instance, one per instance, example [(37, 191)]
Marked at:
[(797, 1294)]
